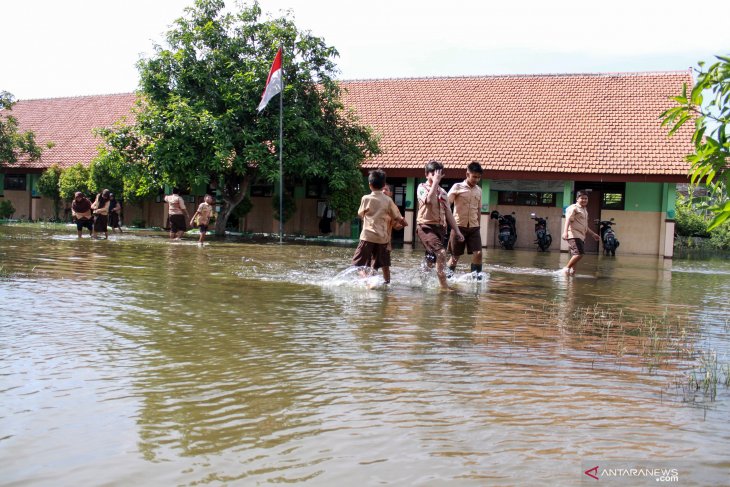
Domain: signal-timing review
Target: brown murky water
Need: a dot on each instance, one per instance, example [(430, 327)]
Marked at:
[(137, 361)]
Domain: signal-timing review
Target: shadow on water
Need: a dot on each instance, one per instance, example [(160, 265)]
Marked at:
[(143, 360)]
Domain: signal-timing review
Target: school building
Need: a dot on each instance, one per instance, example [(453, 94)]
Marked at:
[(539, 138)]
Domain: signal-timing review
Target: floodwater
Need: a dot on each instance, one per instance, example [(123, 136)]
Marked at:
[(138, 361)]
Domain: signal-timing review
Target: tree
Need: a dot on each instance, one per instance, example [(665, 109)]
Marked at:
[(14, 143), (74, 178), (48, 185), (198, 111), (708, 103)]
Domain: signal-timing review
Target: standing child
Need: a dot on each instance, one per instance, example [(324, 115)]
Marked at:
[(81, 213), (176, 214), (467, 200), (203, 215), (433, 215), (576, 228), (101, 214), (115, 210), (377, 211)]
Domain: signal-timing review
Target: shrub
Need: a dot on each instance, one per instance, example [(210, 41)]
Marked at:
[(689, 223), (6, 209)]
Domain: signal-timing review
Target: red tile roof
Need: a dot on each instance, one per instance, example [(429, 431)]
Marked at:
[(69, 124), (552, 124), (542, 126)]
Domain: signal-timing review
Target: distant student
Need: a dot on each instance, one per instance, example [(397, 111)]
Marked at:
[(81, 213), (115, 209), (433, 215), (576, 228), (100, 208), (467, 200), (203, 215), (377, 212), (177, 214)]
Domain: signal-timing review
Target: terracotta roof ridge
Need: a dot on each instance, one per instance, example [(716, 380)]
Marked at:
[(74, 97), (543, 75)]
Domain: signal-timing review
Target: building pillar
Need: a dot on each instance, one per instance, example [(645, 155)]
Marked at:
[(567, 201), (484, 217), (666, 232), (410, 213)]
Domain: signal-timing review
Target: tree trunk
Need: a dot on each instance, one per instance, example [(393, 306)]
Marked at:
[(233, 194)]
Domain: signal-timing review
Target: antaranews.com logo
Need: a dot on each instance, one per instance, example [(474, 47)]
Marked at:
[(631, 474)]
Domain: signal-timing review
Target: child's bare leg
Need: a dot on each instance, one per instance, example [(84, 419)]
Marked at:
[(386, 274), (440, 263)]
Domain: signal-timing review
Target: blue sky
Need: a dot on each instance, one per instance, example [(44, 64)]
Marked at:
[(58, 48)]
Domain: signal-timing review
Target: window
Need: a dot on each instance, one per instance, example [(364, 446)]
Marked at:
[(316, 188), (15, 182), (525, 198), (262, 190), (612, 201)]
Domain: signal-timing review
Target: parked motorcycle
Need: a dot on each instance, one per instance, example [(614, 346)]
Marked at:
[(507, 226), (608, 236), (542, 234)]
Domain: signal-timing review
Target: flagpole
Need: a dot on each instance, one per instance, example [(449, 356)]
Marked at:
[(281, 150)]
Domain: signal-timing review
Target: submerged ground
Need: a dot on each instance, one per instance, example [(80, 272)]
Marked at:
[(140, 361)]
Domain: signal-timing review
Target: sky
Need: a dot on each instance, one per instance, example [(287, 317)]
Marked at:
[(58, 48)]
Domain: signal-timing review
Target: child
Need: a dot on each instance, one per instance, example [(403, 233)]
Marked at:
[(377, 212), (576, 229), (433, 215), (101, 214), (467, 200), (203, 215), (176, 214)]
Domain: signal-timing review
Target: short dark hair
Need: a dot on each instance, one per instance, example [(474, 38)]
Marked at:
[(175, 190), (580, 193), (475, 167), (376, 178), (433, 166)]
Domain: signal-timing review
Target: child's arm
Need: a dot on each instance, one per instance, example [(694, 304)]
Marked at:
[(452, 223), (197, 212), (568, 219)]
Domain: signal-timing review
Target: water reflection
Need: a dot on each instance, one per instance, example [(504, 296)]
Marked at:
[(140, 360)]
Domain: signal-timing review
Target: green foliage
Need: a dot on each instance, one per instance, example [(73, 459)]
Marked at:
[(720, 237), (6, 209), (708, 104), (345, 199), (74, 178), (123, 164), (198, 121), (48, 185), (14, 143), (288, 203), (689, 221)]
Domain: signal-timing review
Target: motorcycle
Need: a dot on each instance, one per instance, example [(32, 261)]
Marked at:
[(542, 234), (507, 229), (608, 236)]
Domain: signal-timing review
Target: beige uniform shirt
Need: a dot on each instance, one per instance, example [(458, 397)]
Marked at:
[(577, 218), (177, 205), (467, 203), (377, 212), (431, 212)]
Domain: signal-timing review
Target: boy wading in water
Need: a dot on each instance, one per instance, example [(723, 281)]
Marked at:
[(203, 215), (433, 215), (467, 200), (377, 211), (576, 228)]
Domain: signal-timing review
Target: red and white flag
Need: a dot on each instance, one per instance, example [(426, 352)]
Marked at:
[(274, 82)]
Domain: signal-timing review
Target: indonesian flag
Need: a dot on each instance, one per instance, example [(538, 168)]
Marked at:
[(274, 83)]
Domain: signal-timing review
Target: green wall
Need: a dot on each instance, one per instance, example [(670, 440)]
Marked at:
[(645, 197), (2, 183)]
